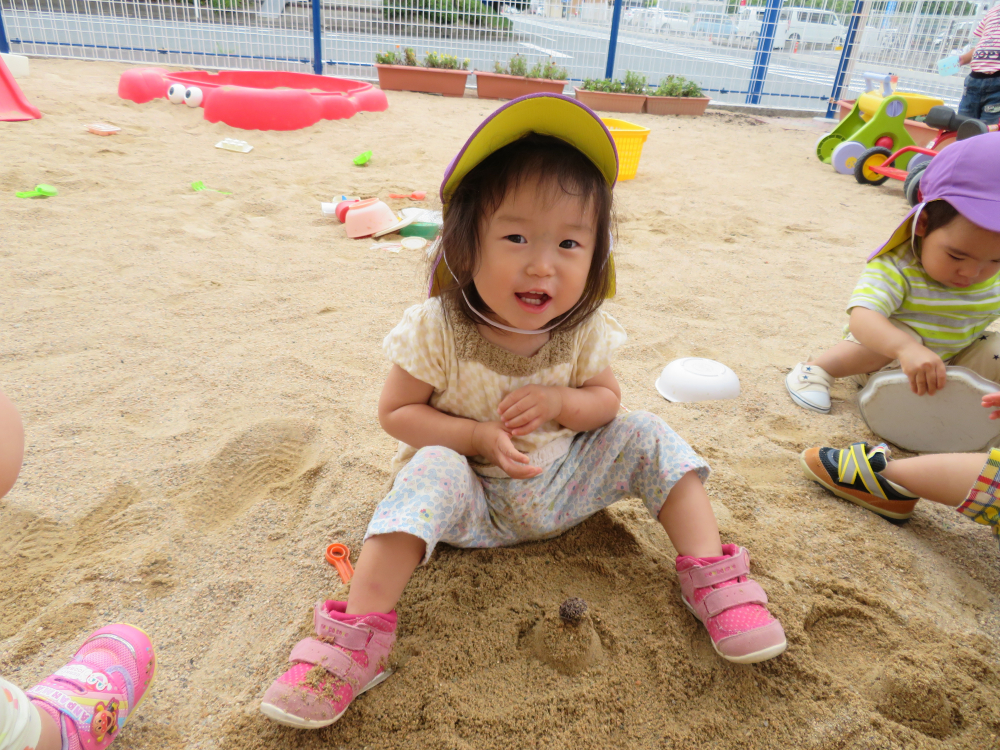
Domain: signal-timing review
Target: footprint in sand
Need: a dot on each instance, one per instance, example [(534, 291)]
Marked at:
[(276, 459)]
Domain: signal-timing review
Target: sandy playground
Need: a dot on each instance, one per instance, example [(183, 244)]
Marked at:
[(198, 376)]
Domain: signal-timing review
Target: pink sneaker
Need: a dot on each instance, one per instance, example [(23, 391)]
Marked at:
[(350, 657), (93, 696), (731, 606)]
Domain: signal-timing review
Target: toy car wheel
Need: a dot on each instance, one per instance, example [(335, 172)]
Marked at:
[(846, 155), (916, 160), (873, 157), (825, 146), (911, 185)]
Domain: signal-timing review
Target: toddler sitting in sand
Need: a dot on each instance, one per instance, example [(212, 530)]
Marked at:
[(86, 702), (863, 474), (928, 294), (502, 395)]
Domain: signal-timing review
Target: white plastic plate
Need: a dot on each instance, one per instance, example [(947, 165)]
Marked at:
[(951, 421)]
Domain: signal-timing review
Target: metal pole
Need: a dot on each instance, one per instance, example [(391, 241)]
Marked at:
[(616, 17), (4, 45), (846, 58), (317, 37), (762, 57)]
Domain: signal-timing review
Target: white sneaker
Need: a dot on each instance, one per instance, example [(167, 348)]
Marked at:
[(809, 387)]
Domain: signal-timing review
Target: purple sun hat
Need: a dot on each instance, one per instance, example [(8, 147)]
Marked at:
[(966, 175)]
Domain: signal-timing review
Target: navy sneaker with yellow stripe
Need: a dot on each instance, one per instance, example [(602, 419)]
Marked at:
[(853, 474)]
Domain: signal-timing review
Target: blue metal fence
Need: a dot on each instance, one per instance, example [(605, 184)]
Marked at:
[(777, 53)]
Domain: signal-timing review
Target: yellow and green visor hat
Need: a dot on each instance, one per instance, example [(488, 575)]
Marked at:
[(546, 114)]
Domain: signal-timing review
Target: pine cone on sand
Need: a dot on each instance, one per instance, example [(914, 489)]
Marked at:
[(573, 610)]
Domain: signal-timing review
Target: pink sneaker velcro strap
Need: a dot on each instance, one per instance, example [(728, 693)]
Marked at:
[(724, 570), (340, 633), (719, 600), (332, 659)]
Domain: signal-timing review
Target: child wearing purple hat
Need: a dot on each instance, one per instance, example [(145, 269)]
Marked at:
[(927, 295), (502, 396)]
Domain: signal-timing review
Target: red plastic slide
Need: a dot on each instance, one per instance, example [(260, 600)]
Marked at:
[(257, 99), (13, 105)]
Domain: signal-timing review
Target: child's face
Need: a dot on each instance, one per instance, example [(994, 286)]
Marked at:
[(960, 253), (535, 256)]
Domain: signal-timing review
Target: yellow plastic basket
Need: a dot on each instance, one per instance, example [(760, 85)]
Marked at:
[(628, 140)]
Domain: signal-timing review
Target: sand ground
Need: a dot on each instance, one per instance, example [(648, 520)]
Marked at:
[(198, 376)]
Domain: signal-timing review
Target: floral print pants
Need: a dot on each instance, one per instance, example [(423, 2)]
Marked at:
[(439, 498)]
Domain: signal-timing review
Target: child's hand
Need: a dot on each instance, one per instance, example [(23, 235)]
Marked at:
[(493, 443), (924, 368), (526, 409), (992, 401)]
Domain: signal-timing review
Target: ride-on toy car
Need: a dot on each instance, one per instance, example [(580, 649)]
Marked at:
[(875, 165)]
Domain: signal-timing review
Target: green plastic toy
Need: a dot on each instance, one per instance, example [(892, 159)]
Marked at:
[(426, 229), (362, 159), (877, 119), (40, 191), (199, 186)]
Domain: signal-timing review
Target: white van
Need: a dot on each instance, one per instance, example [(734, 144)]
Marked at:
[(803, 25)]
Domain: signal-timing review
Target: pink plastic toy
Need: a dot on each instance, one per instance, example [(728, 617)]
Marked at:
[(368, 217), (260, 100), (13, 105)]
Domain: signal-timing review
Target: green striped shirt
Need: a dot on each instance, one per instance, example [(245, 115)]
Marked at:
[(947, 319)]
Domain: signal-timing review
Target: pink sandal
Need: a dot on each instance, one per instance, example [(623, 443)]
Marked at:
[(350, 656), (92, 697), (731, 606)]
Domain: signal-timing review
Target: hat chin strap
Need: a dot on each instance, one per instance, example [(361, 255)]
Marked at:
[(493, 323)]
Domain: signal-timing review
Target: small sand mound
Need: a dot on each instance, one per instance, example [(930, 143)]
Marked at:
[(569, 648)]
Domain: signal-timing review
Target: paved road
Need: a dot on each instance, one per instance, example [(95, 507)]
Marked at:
[(802, 80)]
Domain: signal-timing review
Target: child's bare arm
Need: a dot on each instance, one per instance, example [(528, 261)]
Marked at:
[(924, 368), (405, 413), (592, 405)]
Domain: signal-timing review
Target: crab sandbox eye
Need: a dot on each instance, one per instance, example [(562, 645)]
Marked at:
[(176, 93), (193, 97)]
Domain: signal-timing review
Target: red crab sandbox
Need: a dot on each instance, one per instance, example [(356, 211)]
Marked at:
[(260, 100)]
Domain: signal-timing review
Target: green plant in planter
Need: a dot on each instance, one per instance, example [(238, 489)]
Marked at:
[(677, 86), (549, 71), (517, 66), (633, 84), (409, 57), (445, 62), (605, 85)]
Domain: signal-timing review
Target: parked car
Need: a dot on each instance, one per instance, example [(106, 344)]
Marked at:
[(666, 21), (719, 26), (804, 25), (958, 37), (809, 26)]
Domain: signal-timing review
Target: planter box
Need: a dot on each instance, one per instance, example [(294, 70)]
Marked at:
[(501, 86), (424, 80), (921, 134), (676, 105), (611, 102)]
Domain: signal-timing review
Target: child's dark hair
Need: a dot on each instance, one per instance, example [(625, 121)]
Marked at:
[(939, 213), (556, 165)]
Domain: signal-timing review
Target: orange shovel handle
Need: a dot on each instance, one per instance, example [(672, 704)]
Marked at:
[(340, 557)]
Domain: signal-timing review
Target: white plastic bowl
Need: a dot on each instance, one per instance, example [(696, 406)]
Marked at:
[(697, 379)]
